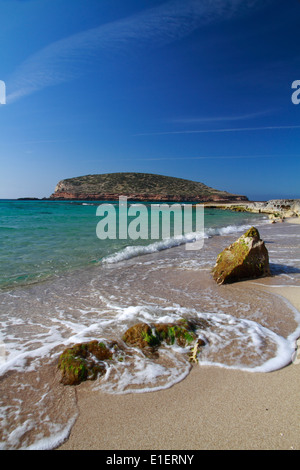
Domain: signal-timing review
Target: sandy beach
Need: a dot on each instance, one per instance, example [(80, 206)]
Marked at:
[(213, 408)]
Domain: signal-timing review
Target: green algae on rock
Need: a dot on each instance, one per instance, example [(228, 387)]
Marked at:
[(85, 361), (149, 338), (247, 258), (143, 335)]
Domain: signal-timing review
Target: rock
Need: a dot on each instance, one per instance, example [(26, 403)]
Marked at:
[(247, 258), (278, 207), (85, 361), (277, 218), (290, 213), (181, 333), (141, 336), (149, 337), (283, 207)]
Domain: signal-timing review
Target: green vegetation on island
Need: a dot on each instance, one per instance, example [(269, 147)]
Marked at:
[(139, 186)]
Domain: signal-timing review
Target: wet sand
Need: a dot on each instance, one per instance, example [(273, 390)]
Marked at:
[(213, 408)]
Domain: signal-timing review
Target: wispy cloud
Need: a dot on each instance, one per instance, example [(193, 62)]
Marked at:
[(67, 58), (216, 131), (216, 157), (197, 120)]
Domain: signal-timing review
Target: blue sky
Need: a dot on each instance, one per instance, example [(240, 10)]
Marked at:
[(198, 89)]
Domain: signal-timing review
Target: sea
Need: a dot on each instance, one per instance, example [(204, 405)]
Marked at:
[(62, 284)]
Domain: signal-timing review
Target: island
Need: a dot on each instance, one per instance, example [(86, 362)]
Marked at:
[(139, 187)]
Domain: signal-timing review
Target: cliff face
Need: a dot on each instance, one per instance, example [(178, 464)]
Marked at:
[(139, 187)]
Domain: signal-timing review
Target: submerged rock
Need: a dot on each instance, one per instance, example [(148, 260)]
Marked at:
[(85, 361), (149, 337), (247, 258), (141, 336)]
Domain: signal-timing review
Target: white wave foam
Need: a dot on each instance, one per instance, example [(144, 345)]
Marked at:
[(139, 250), (268, 350), (231, 342), (59, 434), (142, 375), (227, 230)]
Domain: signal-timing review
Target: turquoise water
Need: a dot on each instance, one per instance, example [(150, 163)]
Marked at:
[(39, 239)]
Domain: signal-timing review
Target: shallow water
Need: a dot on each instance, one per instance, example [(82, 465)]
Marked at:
[(42, 239), (249, 329)]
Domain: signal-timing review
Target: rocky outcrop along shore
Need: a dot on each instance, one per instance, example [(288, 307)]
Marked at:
[(276, 208)]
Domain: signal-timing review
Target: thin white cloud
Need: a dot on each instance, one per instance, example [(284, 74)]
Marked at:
[(214, 157), (216, 131), (67, 58), (196, 120)]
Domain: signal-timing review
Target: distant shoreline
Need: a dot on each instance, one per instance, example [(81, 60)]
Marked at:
[(283, 208), (276, 208)]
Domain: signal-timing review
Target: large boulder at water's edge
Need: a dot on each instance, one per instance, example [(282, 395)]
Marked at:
[(247, 258)]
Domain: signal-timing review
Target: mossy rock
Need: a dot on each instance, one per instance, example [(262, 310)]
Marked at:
[(149, 337), (247, 258), (238, 208), (141, 336), (172, 333), (251, 233), (85, 361)]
